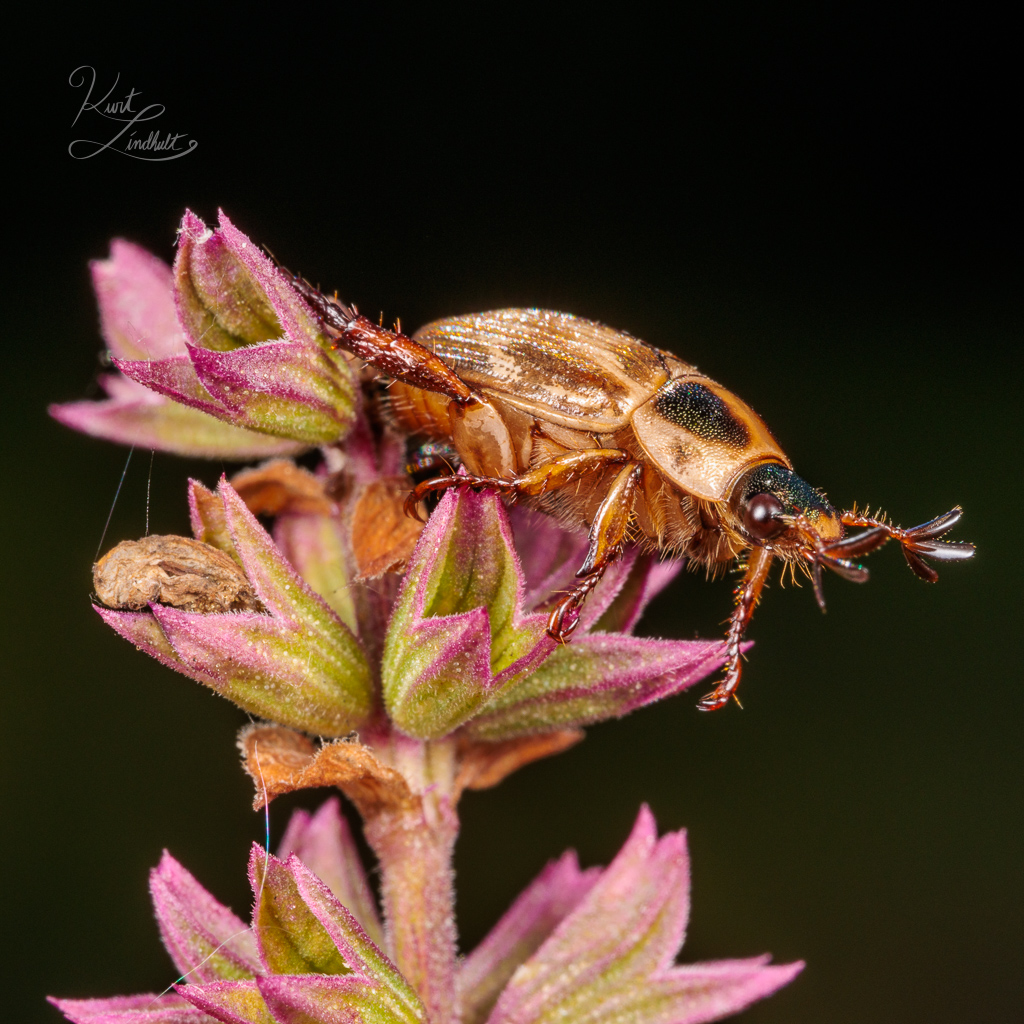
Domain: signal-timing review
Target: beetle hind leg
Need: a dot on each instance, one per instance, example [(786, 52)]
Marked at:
[(391, 352)]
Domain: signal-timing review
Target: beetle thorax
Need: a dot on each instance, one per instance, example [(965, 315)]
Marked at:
[(702, 437)]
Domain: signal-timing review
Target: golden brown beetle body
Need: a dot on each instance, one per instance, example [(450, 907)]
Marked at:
[(619, 438), (555, 384)]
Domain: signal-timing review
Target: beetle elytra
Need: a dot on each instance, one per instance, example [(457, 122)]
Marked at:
[(623, 439)]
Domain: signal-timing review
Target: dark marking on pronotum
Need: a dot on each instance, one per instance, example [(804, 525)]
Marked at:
[(697, 408)]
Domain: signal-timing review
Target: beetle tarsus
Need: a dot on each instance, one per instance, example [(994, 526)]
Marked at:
[(562, 622), (717, 698), (917, 543)]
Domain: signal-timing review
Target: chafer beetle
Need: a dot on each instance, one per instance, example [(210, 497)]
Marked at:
[(613, 435)]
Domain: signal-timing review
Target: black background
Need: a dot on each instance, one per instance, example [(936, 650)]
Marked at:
[(818, 207)]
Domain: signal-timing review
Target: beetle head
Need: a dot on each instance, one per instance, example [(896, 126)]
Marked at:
[(777, 508)]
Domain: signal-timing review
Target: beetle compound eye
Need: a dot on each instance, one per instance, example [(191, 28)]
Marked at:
[(761, 518)]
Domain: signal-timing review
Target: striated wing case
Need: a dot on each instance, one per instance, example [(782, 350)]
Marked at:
[(571, 371)]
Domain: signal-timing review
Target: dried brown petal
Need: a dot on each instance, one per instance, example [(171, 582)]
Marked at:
[(279, 486), (483, 765), (209, 524), (281, 761), (176, 571), (383, 536)]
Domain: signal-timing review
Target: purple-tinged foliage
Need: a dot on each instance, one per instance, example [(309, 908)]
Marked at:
[(138, 321), (228, 294), (206, 941), (313, 956), (596, 945), (538, 909), (148, 1008), (231, 1002), (462, 649), (459, 634), (136, 301), (224, 349), (594, 678), (134, 415), (462, 653), (324, 843), (611, 957), (253, 355)]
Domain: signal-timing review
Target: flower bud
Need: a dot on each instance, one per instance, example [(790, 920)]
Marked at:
[(254, 355), (134, 290), (458, 634)]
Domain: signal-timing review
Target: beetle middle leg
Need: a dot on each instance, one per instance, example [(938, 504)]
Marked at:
[(747, 595), (549, 476), (607, 537)]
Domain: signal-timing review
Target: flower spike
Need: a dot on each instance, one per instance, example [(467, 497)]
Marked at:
[(398, 662)]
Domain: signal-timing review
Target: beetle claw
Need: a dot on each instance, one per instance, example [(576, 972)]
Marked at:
[(713, 701), (558, 628), (412, 507), (937, 526)]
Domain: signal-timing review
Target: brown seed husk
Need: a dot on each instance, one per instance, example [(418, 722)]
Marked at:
[(176, 571), (383, 536)]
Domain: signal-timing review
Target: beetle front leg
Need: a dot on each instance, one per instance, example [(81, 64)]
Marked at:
[(747, 595), (607, 537), (918, 541), (550, 476)]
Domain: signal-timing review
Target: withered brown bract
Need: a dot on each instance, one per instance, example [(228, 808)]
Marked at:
[(383, 537)]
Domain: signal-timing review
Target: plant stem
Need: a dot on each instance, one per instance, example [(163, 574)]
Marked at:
[(414, 847)]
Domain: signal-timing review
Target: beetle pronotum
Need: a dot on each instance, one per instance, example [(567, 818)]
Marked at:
[(628, 441)]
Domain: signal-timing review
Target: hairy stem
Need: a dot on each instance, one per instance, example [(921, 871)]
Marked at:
[(414, 847)]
